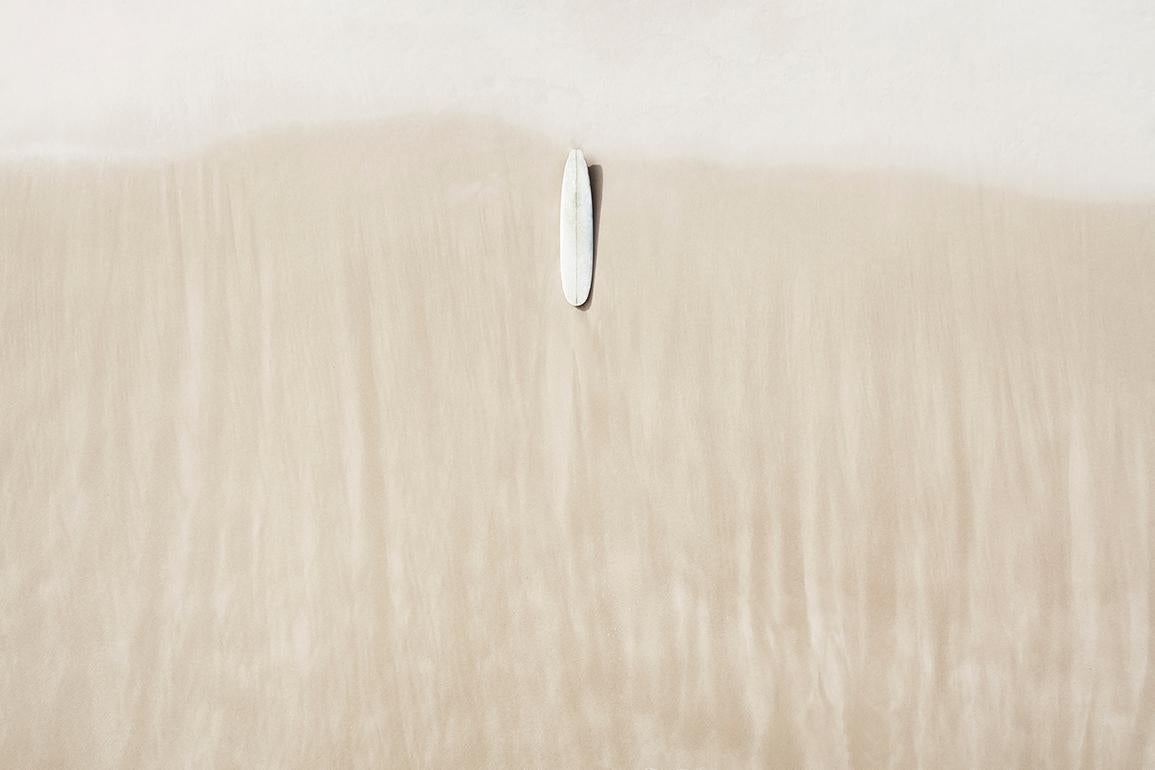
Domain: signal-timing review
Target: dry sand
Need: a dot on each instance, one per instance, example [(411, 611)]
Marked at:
[(306, 462)]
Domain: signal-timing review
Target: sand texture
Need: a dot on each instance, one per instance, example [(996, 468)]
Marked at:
[(305, 461)]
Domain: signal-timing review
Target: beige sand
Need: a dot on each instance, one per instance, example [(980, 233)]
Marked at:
[(306, 462)]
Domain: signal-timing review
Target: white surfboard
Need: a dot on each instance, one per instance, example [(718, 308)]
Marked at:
[(577, 230)]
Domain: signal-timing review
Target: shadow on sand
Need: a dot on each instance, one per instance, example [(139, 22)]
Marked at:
[(596, 182)]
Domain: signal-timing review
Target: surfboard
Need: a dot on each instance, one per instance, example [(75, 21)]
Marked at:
[(577, 230)]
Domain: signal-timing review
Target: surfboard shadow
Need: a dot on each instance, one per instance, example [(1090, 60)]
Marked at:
[(596, 180)]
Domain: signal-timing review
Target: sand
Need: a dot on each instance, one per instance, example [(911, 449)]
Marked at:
[(306, 462)]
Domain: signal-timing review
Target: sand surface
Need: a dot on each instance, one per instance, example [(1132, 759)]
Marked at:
[(306, 462)]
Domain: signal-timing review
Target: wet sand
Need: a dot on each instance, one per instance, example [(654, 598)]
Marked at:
[(306, 462)]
